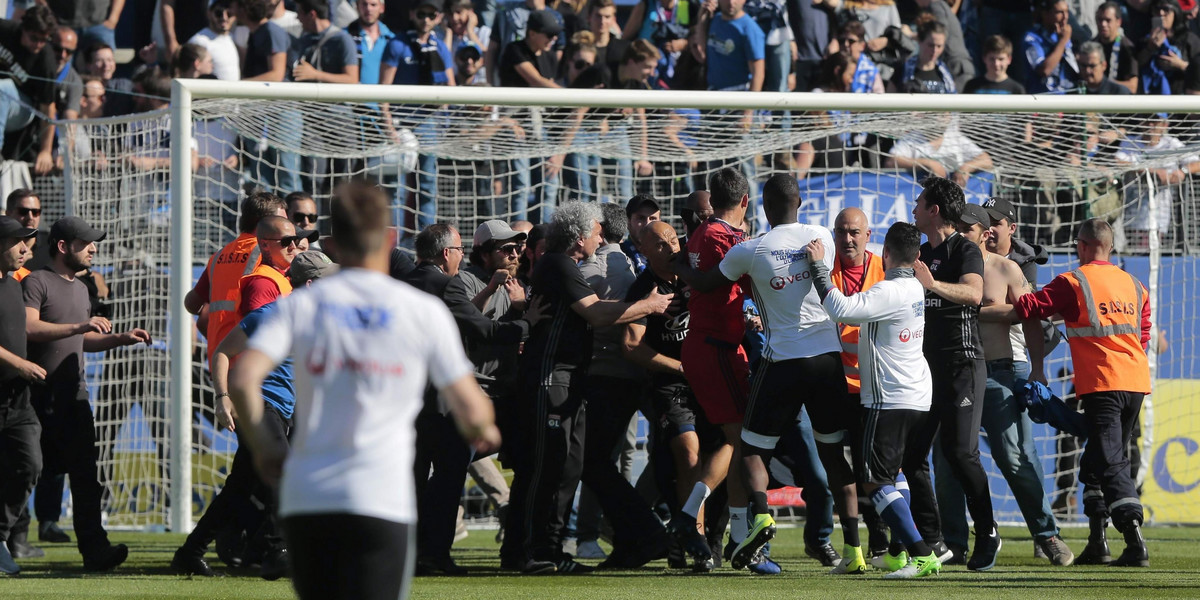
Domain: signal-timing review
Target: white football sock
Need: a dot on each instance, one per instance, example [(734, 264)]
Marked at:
[(699, 494)]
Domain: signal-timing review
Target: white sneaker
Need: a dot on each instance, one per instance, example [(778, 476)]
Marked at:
[(590, 549), (908, 571)]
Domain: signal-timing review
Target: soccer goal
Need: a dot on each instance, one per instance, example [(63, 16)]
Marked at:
[(166, 186)]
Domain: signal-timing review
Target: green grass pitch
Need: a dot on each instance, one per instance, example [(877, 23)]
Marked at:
[(1174, 573)]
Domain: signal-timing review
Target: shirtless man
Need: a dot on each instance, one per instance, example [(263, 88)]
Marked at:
[(1009, 430)]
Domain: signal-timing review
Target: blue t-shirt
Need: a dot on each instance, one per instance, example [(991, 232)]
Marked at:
[(370, 58), (732, 45), (330, 51), (417, 63), (267, 40), (277, 389)]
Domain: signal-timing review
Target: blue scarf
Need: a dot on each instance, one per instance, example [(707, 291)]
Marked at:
[(1154, 79)]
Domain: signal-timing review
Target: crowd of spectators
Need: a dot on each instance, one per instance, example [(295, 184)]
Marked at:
[(58, 61)]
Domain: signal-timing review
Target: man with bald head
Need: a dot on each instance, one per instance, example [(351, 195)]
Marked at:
[(68, 86), (1107, 314), (855, 269), (279, 244), (655, 343), (697, 211)]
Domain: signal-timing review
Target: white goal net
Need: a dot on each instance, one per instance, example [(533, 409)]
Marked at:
[(462, 156)]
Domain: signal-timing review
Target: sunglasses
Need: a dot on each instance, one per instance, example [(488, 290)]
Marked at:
[(459, 248), (429, 16), (581, 64), (285, 241), (30, 212), (508, 249), (60, 49), (306, 217)]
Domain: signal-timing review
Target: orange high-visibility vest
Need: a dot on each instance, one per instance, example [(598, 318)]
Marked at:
[(21, 273), (225, 272), (265, 270), (873, 274), (1106, 337)]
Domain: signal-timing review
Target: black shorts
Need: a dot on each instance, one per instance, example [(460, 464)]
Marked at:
[(676, 412), (338, 555), (780, 389), (886, 434)]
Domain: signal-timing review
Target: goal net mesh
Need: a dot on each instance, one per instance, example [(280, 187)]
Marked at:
[(463, 164)]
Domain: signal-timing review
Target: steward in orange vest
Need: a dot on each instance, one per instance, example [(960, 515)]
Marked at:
[(1107, 314), (219, 286), (279, 244)]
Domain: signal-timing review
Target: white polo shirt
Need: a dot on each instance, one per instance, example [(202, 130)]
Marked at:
[(794, 323), (364, 346)]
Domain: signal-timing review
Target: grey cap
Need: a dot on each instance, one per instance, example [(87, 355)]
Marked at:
[(495, 230), (974, 213), (310, 264)]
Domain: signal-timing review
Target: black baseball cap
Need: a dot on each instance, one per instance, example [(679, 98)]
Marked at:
[(1000, 209), (11, 228), (639, 202), (974, 213), (74, 228), (543, 21), (312, 235)]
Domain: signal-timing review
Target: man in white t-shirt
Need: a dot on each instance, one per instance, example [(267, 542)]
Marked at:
[(950, 154), (227, 62), (803, 352), (896, 386), (364, 347)]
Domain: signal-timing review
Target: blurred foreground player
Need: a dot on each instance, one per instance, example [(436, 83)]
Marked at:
[(364, 347)]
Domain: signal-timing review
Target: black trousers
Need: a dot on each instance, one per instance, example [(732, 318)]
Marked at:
[(547, 465), (611, 403), (232, 505), (954, 419), (440, 447), (336, 556), (69, 447), (1110, 417), (20, 457)]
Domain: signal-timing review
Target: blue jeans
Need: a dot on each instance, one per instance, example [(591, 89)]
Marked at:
[(579, 176), (529, 185), (278, 169), (96, 33), (427, 171), (15, 112), (799, 445), (1011, 443), (778, 67)]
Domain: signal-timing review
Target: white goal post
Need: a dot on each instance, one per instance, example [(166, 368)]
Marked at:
[(187, 94)]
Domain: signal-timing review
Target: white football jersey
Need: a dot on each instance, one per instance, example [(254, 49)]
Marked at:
[(794, 323), (364, 346)]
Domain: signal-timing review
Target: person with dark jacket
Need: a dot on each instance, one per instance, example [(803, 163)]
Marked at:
[(439, 446), (1167, 58)]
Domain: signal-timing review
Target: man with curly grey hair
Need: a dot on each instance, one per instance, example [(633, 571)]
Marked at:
[(547, 448)]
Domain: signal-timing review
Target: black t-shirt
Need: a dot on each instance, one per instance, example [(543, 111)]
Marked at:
[(1107, 87), (34, 73), (519, 52), (12, 333), (664, 333), (951, 330), (982, 85), (1127, 66), (565, 336), (611, 54)]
